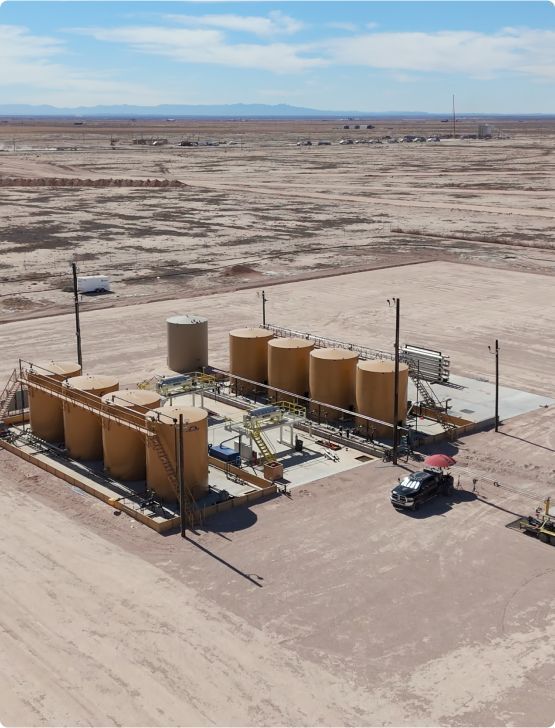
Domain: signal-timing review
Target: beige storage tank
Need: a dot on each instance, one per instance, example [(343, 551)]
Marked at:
[(332, 380), (123, 447), (248, 357), (375, 387), (83, 428), (195, 451), (288, 364), (187, 343), (45, 410)]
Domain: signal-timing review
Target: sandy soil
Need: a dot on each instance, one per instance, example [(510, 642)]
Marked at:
[(453, 308), (276, 615), (327, 607), (264, 204)]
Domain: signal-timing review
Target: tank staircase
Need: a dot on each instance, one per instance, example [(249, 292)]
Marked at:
[(191, 515), (8, 394), (430, 401), (263, 445)]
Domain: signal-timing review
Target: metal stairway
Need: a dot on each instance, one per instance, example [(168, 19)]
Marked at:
[(267, 454), (186, 508), (425, 392), (8, 393)]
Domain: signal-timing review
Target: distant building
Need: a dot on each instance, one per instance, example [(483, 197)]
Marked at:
[(485, 131)]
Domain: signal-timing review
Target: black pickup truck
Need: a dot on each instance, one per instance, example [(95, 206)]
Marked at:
[(417, 488)]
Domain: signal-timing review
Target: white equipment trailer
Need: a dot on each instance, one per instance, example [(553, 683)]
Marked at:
[(93, 284)]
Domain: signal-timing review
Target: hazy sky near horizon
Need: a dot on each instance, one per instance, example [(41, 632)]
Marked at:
[(383, 56)]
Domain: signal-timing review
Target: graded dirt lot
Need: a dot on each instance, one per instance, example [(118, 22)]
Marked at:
[(326, 607), (257, 208)]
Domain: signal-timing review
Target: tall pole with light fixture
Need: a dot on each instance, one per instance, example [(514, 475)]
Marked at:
[(396, 384)]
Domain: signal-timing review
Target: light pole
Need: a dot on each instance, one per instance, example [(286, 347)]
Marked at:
[(496, 352), (264, 299), (77, 323), (397, 302)]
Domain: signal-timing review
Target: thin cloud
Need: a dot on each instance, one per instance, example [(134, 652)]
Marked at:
[(340, 25), (209, 46), (30, 62), (274, 23), (526, 51)]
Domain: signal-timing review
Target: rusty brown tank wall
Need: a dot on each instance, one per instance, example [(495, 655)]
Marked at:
[(195, 452), (248, 357), (83, 429), (187, 338), (375, 387), (124, 449), (45, 410), (332, 380), (288, 365)]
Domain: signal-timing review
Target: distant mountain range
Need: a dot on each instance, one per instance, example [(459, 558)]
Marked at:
[(235, 111)]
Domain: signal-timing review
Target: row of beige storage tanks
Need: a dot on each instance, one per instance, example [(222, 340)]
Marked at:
[(128, 454), (333, 376)]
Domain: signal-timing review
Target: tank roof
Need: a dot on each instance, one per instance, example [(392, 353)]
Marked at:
[(190, 414), (131, 398), (90, 382), (335, 354), (380, 366), (291, 343), (186, 319), (251, 333), (58, 367)]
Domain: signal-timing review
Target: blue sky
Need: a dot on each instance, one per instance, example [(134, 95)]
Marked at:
[(495, 56)]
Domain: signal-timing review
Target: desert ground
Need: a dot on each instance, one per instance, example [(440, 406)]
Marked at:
[(258, 209), (324, 607)]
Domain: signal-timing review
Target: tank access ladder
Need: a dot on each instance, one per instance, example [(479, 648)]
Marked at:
[(187, 509), (8, 393)]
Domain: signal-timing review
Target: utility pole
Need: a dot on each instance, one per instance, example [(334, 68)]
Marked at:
[(264, 299), (182, 507), (396, 387), (454, 119), (496, 352), (77, 323)]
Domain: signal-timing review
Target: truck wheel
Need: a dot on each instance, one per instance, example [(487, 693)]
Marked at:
[(414, 507), (544, 537)]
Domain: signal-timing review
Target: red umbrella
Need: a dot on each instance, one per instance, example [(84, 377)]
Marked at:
[(440, 461)]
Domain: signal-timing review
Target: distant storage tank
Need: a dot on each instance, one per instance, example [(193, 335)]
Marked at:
[(332, 380), (288, 365), (83, 428), (45, 410), (248, 357), (375, 387), (124, 448), (187, 343), (195, 451)]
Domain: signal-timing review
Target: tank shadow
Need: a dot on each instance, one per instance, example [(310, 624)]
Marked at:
[(236, 519)]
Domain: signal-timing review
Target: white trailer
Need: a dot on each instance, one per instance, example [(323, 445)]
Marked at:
[(93, 284)]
